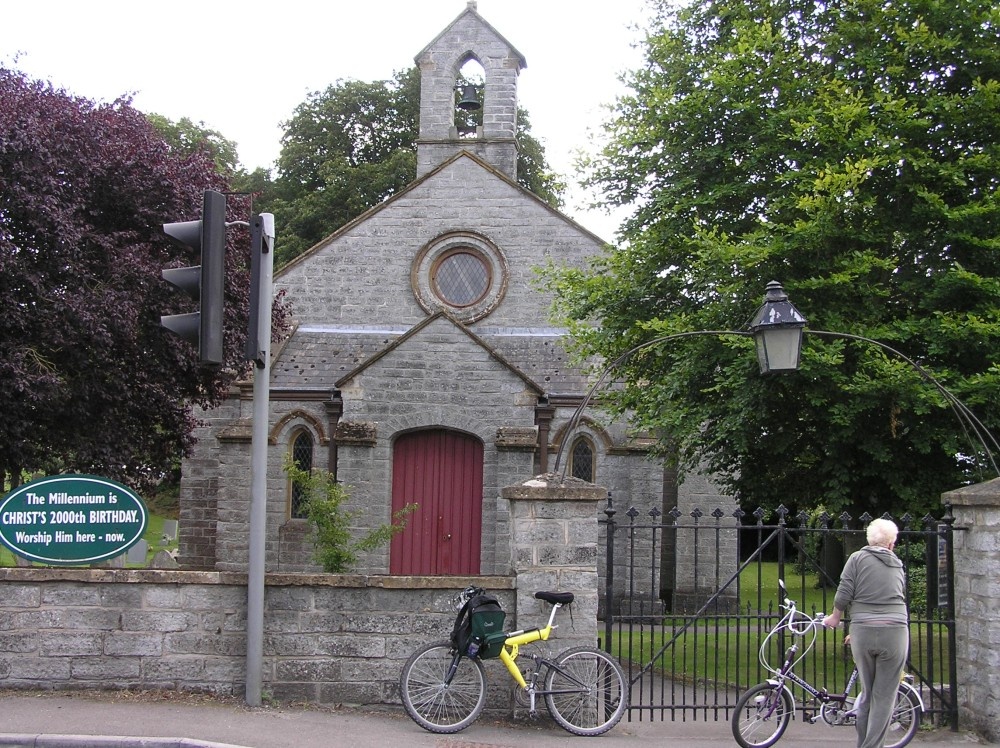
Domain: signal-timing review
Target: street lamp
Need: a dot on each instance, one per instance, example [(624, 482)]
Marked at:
[(777, 330)]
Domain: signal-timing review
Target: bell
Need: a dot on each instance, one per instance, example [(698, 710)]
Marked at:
[(469, 101)]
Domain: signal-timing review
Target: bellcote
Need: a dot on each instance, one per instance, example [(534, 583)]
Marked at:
[(468, 40)]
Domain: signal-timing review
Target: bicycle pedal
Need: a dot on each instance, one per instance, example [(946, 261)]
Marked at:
[(533, 714)]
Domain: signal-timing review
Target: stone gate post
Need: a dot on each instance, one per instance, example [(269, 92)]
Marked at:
[(977, 615), (554, 547)]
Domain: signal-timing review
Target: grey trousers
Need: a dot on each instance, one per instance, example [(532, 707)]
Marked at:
[(880, 654)]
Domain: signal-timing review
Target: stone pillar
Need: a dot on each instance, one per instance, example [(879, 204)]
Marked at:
[(554, 547), (977, 616)]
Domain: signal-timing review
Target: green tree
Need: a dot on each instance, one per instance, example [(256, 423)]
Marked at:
[(186, 138), (848, 150), (348, 148)]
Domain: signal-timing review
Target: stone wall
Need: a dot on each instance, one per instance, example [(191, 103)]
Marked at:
[(327, 639), (977, 615)]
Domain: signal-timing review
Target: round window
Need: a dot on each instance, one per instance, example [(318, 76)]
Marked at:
[(461, 272), (461, 277)]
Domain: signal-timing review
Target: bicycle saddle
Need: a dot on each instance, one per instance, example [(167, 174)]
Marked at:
[(563, 598)]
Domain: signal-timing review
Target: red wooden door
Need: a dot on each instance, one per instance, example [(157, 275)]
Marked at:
[(441, 471)]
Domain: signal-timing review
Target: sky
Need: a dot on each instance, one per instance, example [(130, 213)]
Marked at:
[(241, 68)]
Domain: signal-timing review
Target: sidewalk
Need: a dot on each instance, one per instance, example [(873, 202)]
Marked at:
[(45, 720)]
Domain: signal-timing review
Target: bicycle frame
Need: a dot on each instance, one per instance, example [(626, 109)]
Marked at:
[(508, 655), (786, 672)]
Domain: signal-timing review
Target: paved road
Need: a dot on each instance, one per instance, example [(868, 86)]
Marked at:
[(45, 720)]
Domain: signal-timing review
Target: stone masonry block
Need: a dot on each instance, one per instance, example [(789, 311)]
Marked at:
[(75, 595), (22, 595), (160, 596), (311, 670), (103, 668), (38, 670), (118, 643), (56, 644), (540, 532), (233, 645), (216, 598), (157, 620), (190, 669), (18, 643)]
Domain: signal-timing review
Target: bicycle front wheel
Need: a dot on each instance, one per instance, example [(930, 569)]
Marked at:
[(761, 716), (905, 718), (585, 691), (441, 691)]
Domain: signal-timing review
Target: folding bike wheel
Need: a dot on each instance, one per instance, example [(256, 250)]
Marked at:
[(586, 691), (905, 718), (433, 701), (762, 715)]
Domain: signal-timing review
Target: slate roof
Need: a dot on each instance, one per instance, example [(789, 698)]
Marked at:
[(316, 357)]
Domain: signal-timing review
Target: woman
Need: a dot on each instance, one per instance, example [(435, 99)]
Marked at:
[(873, 587)]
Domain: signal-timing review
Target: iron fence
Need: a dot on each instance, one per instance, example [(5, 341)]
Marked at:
[(688, 600)]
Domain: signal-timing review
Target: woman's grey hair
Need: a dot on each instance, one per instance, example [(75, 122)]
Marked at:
[(882, 532)]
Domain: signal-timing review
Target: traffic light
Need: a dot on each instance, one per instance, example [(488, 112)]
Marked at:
[(204, 283)]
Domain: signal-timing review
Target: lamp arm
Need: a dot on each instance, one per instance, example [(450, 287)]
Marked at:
[(574, 420), (966, 418)]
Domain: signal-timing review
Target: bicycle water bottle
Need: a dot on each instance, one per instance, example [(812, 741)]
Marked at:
[(473, 648)]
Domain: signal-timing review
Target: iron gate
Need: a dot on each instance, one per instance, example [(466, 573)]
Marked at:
[(688, 599)]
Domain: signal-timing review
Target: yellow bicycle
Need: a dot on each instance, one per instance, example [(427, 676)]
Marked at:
[(584, 688)]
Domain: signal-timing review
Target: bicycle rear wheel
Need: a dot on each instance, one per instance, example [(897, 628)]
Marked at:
[(585, 691), (761, 716), (434, 701), (905, 718)]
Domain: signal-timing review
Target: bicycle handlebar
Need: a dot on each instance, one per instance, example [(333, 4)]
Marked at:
[(467, 594), (795, 622)]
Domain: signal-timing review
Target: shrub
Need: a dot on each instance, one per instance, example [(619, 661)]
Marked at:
[(324, 499)]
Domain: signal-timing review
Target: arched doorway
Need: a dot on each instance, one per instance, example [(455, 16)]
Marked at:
[(442, 472)]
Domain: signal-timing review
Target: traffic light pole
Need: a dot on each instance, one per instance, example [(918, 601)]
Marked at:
[(262, 268)]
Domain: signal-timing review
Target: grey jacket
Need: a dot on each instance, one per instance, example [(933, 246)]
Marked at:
[(873, 587)]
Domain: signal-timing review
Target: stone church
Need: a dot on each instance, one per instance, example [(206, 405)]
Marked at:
[(422, 366)]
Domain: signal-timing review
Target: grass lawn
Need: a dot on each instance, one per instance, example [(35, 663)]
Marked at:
[(724, 648)]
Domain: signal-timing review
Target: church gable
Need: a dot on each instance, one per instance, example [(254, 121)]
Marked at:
[(439, 363), (382, 270), (439, 376)]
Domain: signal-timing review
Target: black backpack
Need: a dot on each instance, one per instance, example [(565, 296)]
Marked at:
[(478, 628)]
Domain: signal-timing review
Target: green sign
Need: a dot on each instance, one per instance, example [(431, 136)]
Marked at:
[(71, 519)]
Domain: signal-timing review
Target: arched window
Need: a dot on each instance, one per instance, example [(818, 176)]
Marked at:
[(582, 459), (302, 456)]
